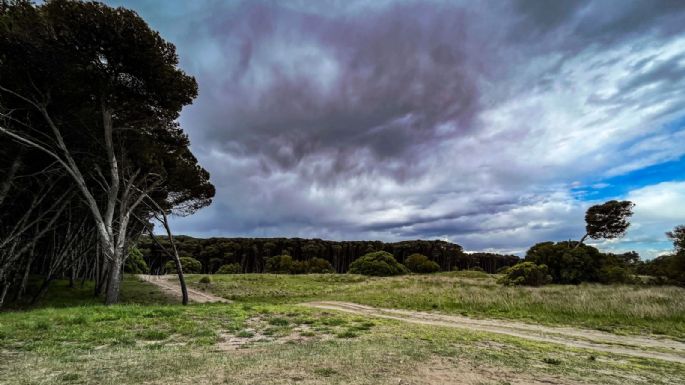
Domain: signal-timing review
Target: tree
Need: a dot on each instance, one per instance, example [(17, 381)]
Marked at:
[(608, 220), (98, 92), (678, 238)]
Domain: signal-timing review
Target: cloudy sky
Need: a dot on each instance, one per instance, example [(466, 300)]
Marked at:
[(492, 124)]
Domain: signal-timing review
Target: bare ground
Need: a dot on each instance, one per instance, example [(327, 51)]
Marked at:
[(636, 346), (173, 288)]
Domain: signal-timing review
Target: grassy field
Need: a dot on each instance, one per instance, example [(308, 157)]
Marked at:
[(264, 338), (616, 308)]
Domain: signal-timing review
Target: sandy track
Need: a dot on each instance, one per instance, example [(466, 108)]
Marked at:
[(636, 346), (171, 286)]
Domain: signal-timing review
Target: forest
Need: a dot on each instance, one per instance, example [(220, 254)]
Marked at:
[(252, 253)]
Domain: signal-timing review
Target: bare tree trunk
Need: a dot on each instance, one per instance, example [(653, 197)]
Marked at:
[(177, 260), (113, 281), (581, 241)]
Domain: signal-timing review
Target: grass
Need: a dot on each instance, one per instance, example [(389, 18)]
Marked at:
[(616, 308), (72, 339)]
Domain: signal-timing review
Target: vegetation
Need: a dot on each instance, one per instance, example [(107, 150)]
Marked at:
[(669, 268), (608, 220), (253, 253), (188, 264), (419, 263), (147, 340), (652, 309), (573, 263), (526, 273), (231, 268), (379, 263), (135, 264), (73, 197)]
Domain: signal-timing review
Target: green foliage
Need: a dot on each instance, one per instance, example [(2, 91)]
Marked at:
[(573, 263), (135, 264), (526, 274), (419, 263), (319, 266), (206, 279), (379, 263), (189, 265), (608, 220), (284, 264), (279, 264), (231, 268)]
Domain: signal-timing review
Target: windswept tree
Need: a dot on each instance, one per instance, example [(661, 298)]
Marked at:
[(98, 92), (678, 238), (608, 220)]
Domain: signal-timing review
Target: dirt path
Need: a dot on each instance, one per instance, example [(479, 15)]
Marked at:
[(171, 286), (636, 346)]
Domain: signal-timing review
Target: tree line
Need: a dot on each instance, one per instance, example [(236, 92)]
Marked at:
[(90, 149), (252, 254)]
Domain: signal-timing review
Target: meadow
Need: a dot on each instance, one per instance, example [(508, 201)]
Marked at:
[(264, 336), (616, 308)]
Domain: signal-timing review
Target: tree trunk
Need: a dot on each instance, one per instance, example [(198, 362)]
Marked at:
[(581, 241), (113, 281), (43, 289)]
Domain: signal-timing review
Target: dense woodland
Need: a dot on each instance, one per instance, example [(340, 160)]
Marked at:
[(90, 150), (252, 253)]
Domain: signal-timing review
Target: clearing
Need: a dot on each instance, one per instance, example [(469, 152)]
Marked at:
[(266, 336)]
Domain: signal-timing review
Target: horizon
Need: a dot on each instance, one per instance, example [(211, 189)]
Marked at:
[(491, 125)]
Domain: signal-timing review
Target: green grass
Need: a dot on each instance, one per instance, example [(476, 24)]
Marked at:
[(150, 338), (616, 308)]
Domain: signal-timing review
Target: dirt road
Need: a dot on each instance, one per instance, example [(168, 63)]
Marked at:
[(169, 284), (636, 346)]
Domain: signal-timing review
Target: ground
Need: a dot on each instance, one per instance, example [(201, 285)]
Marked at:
[(272, 332)]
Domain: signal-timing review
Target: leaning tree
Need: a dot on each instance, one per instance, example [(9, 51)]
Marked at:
[(608, 220), (98, 92)]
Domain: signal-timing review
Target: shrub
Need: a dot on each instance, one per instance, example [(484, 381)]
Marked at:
[(206, 279), (526, 273), (190, 265), (299, 267), (135, 264), (282, 264), (573, 263), (231, 268), (379, 263), (419, 263), (319, 266)]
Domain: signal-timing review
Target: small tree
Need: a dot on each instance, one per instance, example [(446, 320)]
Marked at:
[(188, 264), (419, 263), (608, 220), (379, 263), (526, 273), (231, 268)]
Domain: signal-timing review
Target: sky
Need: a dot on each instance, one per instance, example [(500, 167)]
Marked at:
[(491, 124)]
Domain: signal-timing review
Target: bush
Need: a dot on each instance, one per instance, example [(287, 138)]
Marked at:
[(190, 265), (573, 263), (135, 264), (379, 263), (419, 263), (231, 268), (280, 264), (526, 273), (206, 279), (284, 264), (319, 266)]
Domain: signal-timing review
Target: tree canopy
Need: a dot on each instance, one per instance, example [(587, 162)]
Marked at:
[(89, 97)]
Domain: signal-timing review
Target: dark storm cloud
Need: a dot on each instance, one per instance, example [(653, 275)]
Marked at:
[(382, 82), (463, 120)]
